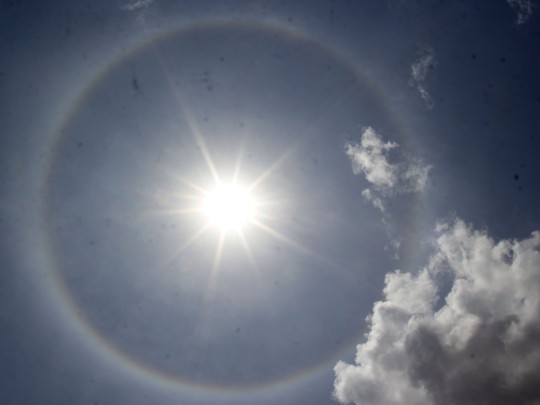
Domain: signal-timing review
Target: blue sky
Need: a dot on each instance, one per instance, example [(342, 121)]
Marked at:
[(389, 149)]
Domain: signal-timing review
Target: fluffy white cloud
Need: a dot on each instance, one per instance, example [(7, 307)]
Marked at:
[(523, 9), (464, 330), (419, 71), (371, 158)]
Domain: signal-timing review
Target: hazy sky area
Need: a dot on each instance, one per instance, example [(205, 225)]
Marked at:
[(270, 202)]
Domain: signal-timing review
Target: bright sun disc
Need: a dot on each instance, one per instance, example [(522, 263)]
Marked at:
[(229, 207)]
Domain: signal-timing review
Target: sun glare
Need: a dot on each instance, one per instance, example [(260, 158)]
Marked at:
[(229, 207)]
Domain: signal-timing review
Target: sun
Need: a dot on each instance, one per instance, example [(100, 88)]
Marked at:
[(229, 207)]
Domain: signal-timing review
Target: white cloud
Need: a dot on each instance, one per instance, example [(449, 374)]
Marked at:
[(376, 201), (472, 339), (419, 71), (371, 158), (415, 175), (523, 9), (137, 4)]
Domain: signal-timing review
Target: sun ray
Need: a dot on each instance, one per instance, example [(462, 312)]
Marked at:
[(292, 243), (204, 310), (187, 183), (170, 212), (304, 136), (302, 249), (140, 216), (214, 272), (160, 272), (185, 108), (249, 254), (274, 166), (239, 160), (190, 241)]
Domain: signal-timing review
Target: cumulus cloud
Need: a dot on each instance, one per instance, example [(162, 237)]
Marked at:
[(419, 71), (464, 330), (371, 157), (523, 9)]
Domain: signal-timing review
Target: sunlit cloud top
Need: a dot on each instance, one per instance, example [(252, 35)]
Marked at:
[(464, 330)]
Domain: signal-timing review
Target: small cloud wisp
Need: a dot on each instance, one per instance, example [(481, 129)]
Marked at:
[(419, 71), (523, 9), (137, 5), (371, 158)]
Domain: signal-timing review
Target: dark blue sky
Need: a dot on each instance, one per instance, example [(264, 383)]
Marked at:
[(375, 135)]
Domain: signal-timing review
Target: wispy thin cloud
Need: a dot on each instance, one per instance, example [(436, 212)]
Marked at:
[(523, 8), (387, 177), (376, 201), (137, 5), (419, 71), (465, 330)]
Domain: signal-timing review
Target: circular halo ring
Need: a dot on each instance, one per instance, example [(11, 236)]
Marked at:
[(67, 307)]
